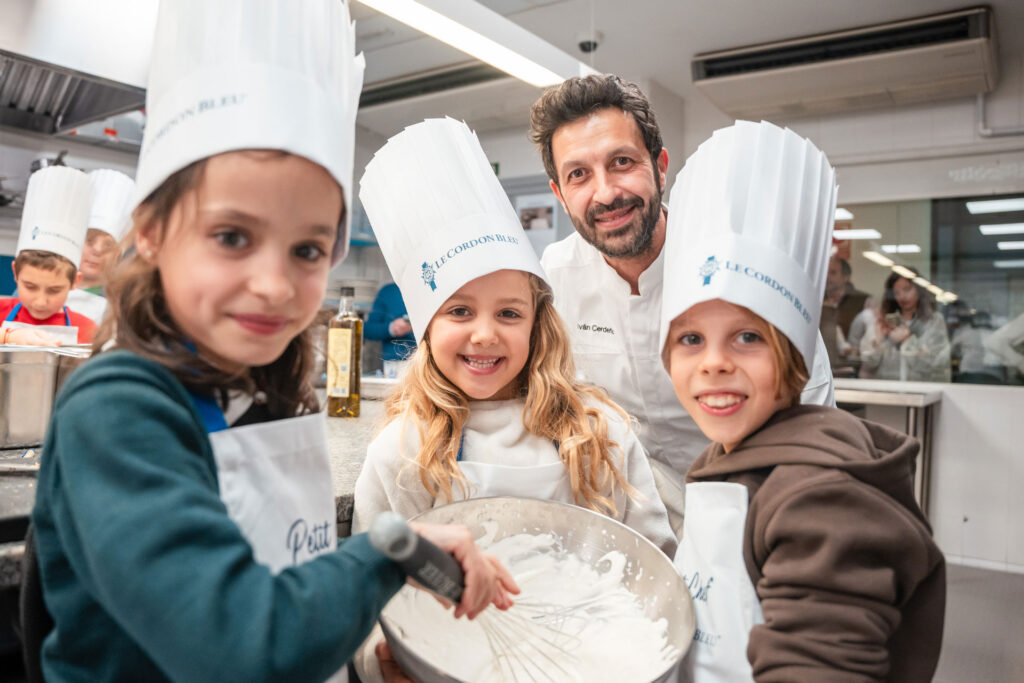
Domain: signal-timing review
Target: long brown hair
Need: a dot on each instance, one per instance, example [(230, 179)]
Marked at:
[(557, 408), (139, 321)]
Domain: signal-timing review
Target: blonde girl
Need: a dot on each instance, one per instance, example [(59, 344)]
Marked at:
[(490, 404)]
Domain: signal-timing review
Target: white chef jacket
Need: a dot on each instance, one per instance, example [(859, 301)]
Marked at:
[(617, 344)]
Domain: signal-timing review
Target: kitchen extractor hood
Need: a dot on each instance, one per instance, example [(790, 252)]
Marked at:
[(65, 63)]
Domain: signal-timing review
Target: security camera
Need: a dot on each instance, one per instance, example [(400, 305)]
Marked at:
[(589, 41)]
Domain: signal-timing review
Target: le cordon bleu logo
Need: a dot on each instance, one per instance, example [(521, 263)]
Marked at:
[(429, 269)]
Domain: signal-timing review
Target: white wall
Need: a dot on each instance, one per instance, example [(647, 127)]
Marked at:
[(512, 150), (977, 471)]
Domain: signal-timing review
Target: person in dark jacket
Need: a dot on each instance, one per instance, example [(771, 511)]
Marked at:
[(388, 323)]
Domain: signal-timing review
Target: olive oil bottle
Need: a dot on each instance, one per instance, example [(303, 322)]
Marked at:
[(344, 348)]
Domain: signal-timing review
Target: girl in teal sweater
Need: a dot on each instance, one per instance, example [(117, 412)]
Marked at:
[(185, 522)]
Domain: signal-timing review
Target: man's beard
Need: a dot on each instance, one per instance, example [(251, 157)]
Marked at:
[(641, 234)]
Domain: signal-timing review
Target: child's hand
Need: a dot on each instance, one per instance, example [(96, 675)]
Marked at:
[(389, 668), (487, 580), (28, 336)]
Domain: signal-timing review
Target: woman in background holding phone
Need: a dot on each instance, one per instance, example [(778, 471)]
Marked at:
[(908, 341)]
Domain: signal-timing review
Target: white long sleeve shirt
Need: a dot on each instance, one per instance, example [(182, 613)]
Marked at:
[(494, 434)]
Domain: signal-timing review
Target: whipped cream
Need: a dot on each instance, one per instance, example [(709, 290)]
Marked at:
[(573, 621)]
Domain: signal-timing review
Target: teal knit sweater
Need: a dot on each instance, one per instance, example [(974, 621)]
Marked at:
[(144, 573)]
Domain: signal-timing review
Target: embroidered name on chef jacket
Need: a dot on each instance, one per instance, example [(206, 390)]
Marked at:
[(595, 328), (313, 540)]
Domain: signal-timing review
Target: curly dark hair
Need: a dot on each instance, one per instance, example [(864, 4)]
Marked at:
[(582, 96)]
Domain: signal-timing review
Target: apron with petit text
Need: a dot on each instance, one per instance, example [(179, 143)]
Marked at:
[(65, 334), (275, 480), (549, 481), (710, 558)]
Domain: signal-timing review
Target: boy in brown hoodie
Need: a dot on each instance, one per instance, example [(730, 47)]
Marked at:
[(806, 555)]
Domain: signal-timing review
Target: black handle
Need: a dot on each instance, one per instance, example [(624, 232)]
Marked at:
[(433, 568)]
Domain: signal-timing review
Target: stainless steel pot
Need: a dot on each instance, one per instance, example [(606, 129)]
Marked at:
[(30, 377), (649, 573)]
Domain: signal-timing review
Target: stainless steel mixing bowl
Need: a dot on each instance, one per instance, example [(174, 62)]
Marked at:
[(649, 573)]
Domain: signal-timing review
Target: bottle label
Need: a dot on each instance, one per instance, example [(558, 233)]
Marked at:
[(339, 353)]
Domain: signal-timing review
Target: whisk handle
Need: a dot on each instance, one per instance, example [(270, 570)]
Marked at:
[(432, 567)]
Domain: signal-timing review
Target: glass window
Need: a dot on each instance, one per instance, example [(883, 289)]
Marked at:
[(928, 290)]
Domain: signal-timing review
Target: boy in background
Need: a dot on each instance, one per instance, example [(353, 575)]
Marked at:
[(53, 227), (108, 223)]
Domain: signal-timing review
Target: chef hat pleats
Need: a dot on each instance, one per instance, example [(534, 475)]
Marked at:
[(750, 222)]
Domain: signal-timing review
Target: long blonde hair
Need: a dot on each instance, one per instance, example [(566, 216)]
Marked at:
[(557, 408)]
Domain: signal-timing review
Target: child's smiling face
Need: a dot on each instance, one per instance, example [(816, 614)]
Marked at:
[(480, 337), (723, 370), (244, 257)]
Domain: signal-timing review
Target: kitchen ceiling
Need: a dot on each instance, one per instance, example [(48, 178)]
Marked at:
[(643, 40)]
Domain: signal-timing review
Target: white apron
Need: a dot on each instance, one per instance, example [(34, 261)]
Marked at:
[(710, 557), (546, 482), (66, 334), (549, 481), (275, 479), (92, 306)]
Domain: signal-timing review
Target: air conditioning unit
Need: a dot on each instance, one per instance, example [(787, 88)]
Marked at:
[(930, 58)]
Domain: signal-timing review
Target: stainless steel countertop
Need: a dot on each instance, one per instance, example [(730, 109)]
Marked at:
[(347, 439), (885, 393)]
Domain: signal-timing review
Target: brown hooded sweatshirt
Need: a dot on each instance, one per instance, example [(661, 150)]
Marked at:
[(851, 583)]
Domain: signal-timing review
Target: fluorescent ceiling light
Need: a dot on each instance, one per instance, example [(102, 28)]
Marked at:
[(1010, 246), (877, 258), (996, 205), (1002, 229), (921, 281), (934, 289), (905, 272), (901, 249), (946, 297), (481, 32), (860, 234), (1016, 263), (843, 215)]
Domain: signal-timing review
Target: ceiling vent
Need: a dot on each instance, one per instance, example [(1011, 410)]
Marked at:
[(931, 58), (427, 83)]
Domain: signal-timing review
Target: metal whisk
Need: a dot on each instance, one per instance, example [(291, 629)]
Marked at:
[(530, 641)]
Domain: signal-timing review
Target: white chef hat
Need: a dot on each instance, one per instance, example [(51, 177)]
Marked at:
[(111, 202), (440, 215), (750, 222), (56, 212), (252, 74)]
